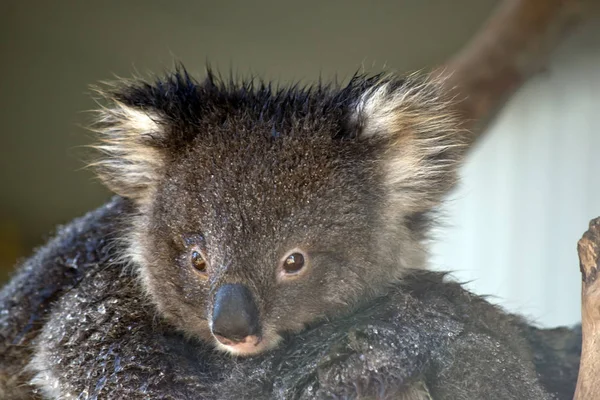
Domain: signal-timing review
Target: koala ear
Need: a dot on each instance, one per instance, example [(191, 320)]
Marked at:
[(422, 142), (131, 148)]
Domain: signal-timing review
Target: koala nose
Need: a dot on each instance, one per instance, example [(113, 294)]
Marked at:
[(235, 315)]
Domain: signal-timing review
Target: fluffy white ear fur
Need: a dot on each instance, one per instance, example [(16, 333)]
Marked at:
[(131, 159), (424, 142)]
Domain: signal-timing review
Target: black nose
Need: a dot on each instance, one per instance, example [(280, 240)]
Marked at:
[(235, 315)]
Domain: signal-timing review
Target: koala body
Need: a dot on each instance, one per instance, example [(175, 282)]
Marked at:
[(288, 225), (261, 209), (79, 318)]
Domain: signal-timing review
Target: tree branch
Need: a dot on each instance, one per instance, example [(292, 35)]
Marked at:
[(588, 247), (513, 45)]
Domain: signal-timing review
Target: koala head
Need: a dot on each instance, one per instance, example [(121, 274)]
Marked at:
[(261, 209)]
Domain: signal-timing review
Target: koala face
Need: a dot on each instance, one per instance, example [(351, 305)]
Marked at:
[(260, 210), (288, 220)]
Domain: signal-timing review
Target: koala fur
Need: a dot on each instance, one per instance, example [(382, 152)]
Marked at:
[(244, 173), (92, 334)]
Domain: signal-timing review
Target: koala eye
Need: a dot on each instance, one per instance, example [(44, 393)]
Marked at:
[(198, 262), (293, 263)]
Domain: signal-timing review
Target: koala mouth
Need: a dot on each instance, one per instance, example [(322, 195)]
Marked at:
[(248, 345), (251, 345)]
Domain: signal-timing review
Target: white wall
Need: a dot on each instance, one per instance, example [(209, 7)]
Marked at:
[(530, 189)]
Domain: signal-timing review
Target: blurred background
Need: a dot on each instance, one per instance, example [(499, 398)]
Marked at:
[(530, 187)]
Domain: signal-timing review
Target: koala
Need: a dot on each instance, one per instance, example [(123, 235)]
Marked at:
[(267, 243), (261, 209), (77, 324)]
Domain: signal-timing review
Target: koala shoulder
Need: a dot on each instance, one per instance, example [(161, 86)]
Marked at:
[(40, 280)]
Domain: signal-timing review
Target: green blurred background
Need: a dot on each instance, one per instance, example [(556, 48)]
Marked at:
[(51, 51)]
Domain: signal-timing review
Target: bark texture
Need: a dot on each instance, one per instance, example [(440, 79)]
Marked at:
[(588, 247)]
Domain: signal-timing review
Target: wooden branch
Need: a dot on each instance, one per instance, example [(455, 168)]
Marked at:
[(588, 247), (513, 45)]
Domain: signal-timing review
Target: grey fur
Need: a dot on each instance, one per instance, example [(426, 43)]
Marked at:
[(245, 173), (102, 339)]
